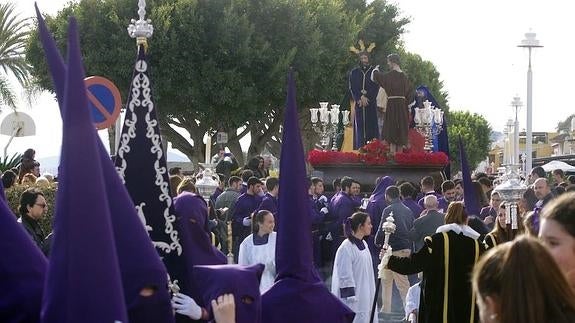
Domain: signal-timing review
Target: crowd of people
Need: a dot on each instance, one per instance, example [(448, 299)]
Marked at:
[(103, 245), (434, 236)]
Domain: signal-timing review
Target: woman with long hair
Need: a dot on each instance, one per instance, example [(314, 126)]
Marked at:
[(500, 233), (518, 282), (353, 280), (260, 247), (446, 260), (558, 233)]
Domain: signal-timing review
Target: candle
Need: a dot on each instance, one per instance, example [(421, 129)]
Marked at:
[(334, 115), (440, 121), (417, 117), (208, 148), (345, 119), (313, 112), (514, 225), (323, 115)]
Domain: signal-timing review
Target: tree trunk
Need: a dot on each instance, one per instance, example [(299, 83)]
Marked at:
[(178, 141)]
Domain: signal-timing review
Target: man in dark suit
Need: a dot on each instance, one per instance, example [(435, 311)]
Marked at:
[(427, 223)]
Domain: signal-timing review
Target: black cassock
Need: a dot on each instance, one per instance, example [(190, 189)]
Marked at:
[(447, 262)]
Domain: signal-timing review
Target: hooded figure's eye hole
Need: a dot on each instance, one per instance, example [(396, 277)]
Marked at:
[(148, 291), (247, 299)]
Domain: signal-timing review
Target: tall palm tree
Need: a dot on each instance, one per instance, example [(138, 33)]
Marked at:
[(13, 33)]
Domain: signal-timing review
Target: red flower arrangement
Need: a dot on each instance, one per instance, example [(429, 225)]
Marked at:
[(421, 158), (319, 157), (376, 152)]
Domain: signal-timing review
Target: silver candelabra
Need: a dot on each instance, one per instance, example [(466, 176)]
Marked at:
[(429, 123), (325, 124)]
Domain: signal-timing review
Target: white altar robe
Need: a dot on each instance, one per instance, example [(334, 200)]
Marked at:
[(265, 254), (353, 268)]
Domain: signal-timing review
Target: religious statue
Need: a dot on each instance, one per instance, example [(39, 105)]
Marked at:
[(363, 92), (399, 94)]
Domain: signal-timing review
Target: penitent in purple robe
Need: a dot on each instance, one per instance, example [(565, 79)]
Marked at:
[(375, 207), (241, 281), (269, 203), (23, 268), (192, 212), (298, 294), (140, 265), (82, 218)]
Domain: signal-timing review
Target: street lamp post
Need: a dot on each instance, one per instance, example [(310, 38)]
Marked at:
[(529, 42), (516, 103)]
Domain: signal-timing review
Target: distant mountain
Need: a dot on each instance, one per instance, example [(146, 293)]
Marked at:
[(50, 164)]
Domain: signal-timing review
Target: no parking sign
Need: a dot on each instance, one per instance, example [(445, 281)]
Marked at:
[(104, 101)]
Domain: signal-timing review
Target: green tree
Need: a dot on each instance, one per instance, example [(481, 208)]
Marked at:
[(565, 125), (13, 35), (421, 72), (221, 64), (475, 132)]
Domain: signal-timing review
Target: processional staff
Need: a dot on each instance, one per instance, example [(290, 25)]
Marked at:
[(388, 229)]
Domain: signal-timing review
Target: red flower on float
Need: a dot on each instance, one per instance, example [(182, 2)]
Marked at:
[(376, 152)]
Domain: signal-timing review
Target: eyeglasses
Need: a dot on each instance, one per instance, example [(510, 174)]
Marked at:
[(41, 205)]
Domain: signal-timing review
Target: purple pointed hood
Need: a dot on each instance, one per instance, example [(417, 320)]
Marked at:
[(140, 265), (298, 294), (83, 259), (22, 268), (192, 212), (469, 194), (379, 190), (241, 281)]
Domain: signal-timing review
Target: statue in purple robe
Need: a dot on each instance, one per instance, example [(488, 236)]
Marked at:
[(364, 93)]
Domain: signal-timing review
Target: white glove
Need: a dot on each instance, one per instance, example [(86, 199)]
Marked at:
[(185, 305), (322, 199), (382, 270), (328, 237), (324, 210), (247, 221)]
